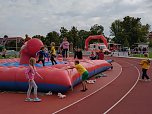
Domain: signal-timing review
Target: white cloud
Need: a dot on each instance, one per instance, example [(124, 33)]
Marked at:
[(19, 17)]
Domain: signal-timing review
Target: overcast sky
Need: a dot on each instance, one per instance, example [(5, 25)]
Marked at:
[(20, 17)]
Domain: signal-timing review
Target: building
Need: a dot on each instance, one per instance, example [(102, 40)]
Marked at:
[(150, 36), (5, 40)]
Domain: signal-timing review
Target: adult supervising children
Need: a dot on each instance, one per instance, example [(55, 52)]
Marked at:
[(145, 64), (82, 72), (65, 47)]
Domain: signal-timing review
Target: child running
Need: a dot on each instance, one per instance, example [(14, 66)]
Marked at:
[(145, 64), (83, 72), (46, 52), (53, 53), (30, 73)]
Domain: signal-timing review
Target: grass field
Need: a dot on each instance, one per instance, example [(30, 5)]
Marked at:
[(142, 55)]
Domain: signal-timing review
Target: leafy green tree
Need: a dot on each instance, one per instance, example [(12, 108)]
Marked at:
[(117, 31), (73, 36), (82, 37), (129, 31), (96, 29), (63, 33), (52, 37), (150, 43)]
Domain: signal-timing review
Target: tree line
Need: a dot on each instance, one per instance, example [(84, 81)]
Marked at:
[(75, 36), (129, 31), (126, 32)]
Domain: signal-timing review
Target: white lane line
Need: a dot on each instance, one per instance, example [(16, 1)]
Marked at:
[(89, 94), (125, 94)]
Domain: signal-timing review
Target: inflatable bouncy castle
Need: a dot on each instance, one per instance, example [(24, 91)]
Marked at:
[(55, 78)]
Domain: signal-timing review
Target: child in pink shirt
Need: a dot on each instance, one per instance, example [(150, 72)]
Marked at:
[(30, 73)]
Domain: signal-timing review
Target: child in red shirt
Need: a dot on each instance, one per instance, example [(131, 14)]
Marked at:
[(101, 55)]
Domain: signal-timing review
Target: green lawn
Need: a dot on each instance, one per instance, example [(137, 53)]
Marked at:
[(142, 55)]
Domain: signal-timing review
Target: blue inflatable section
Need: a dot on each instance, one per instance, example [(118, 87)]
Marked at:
[(96, 71), (17, 64), (23, 86)]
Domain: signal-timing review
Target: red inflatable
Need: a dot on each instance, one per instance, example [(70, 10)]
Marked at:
[(95, 37), (29, 50), (55, 78)]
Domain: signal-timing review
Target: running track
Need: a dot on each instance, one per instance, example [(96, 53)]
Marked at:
[(125, 95), (119, 93)]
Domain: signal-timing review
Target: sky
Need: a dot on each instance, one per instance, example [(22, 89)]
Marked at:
[(39, 17)]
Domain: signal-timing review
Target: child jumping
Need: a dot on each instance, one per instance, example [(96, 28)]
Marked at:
[(30, 74), (83, 72), (41, 55), (145, 64), (53, 53)]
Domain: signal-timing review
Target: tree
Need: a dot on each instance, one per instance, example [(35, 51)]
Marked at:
[(73, 36), (129, 31), (117, 31), (63, 32), (82, 37), (96, 29), (150, 43), (52, 37)]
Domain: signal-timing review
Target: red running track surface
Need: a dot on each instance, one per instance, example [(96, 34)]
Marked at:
[(97, 100)]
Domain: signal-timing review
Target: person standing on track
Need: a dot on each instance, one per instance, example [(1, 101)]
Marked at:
[(145, 64)]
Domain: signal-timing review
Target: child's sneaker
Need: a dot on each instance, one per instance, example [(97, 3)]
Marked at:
[(141, 79), (28, 99), (148, 80), (36, 99)]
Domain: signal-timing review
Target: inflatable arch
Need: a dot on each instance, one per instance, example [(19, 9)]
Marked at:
[(95, 37)]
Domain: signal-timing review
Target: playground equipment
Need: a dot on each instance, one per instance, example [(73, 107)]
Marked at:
[(4, 41), (55, 78)]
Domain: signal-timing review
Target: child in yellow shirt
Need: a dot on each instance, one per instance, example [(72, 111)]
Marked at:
[(82, 72), (145, 64), (53, 53)]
